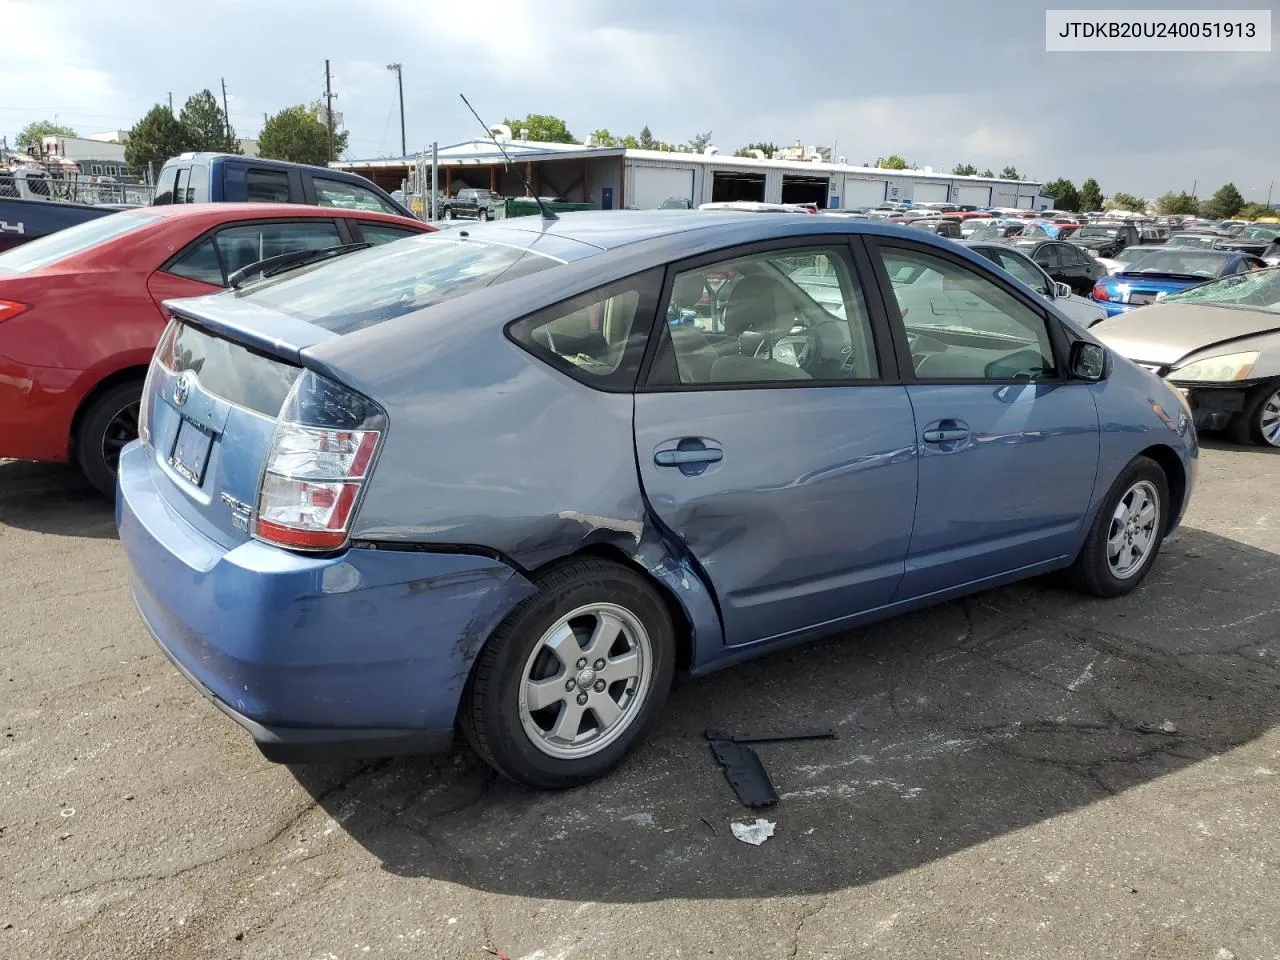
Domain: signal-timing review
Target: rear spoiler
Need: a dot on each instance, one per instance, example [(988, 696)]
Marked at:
[(263, 331)]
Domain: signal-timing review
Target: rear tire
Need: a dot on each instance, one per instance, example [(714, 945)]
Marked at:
[(548, 709), (1259, 422), (483, 215), (108, 423), (1127, 533)]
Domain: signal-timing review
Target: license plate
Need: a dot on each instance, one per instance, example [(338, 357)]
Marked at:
[(1141, 298), (191, 451)]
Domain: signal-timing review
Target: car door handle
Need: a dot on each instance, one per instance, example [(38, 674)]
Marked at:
[(945, 435), (674, 458)]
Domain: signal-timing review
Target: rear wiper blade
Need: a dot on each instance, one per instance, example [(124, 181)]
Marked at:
[(273, 266)]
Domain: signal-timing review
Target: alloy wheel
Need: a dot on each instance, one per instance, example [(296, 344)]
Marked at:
[(1133, 530), (585, 681), (121, 429), (1269, 420)]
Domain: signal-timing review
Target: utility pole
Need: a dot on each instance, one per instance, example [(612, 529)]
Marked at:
[(404, 150), (1272, 184), (171, 101), (226, 113), (328, 107)]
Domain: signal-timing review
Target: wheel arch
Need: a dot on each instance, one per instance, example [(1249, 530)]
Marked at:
[(1176, 476), (114, 379)]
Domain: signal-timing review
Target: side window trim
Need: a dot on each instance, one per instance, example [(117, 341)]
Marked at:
[(1057, 335), (856, 263)]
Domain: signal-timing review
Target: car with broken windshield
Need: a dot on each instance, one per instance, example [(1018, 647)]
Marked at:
[(481, 482)]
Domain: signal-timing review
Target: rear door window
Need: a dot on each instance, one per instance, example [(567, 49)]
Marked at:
[(349, 196), (375, 232), (44, 251), (180, 185), (247, 243), (266, 186)]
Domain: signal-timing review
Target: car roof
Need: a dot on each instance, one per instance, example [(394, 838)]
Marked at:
[(217, 212)]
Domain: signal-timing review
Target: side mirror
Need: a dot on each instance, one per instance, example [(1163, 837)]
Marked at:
[(1088, 361), (1061, 290)]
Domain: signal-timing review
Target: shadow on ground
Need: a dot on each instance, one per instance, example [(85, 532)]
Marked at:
[(957, 725), (53, 498)]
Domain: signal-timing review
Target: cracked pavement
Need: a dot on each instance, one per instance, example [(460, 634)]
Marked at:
[(1026, 773)]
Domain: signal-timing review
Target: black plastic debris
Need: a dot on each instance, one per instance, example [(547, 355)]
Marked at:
[(825, 734), (745, 773)]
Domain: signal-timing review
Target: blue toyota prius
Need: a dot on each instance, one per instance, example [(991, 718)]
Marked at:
[(480, 480)]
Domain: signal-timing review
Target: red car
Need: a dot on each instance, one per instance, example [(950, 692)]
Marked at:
[(80, 311)]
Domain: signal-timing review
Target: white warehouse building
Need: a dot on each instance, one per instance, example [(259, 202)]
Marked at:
[(613, 178)]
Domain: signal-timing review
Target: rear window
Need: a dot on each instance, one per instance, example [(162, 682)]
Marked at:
[(373, 286), (231, 372), (44, 251)]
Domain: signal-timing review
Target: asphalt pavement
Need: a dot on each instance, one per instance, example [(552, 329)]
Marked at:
[(1026, 773)]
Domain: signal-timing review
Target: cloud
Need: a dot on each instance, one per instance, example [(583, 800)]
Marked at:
[(979, 88)]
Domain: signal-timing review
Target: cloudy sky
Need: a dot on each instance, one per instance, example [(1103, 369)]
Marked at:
[(937, 81)]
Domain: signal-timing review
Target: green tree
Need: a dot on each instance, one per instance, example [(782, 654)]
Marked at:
[(630, 142), (1127, 201), (153, 140), (604, 138), (1090, 195), (296, 133), (542, 127), (965, 170), (892, 162), (1224, 204), (1010, 173), (768, 149), (1178, 203), (205, 126), (1063, 191), (34, 133), (989, 173), (698, 142), (646, 139), (1254, 211)]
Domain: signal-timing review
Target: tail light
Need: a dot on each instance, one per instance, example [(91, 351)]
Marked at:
[(324, 447), (11, 308), (1101, 293), (164, 357)]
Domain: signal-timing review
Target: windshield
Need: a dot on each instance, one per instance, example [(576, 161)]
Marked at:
[(380, 284), (1191, 240), (1257, 290), (1181, 263), (44, 251), (1107, 233), (1259, 233)]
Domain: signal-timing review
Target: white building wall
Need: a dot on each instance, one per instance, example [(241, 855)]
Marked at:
[(773, 185)]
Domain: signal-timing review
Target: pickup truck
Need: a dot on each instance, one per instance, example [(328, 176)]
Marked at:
[(23, 220), (469, 204), (230, 178)]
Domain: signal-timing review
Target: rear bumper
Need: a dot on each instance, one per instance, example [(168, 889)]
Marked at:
[(361, 654), (36, 408)]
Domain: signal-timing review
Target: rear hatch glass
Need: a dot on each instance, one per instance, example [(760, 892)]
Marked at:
[(373, 286), (44, 251), (210, 408)]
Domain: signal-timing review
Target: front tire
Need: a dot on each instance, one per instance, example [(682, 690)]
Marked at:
[(109, 422), (482, 216), (573, 678), (1259, 422), (1127, 533)]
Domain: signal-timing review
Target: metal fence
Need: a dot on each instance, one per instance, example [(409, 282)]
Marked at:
[(77, 189)]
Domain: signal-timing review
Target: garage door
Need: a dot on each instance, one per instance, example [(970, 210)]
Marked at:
[(970, 196), (930, 193), (1026, 201), (652, 185), (862, 193)]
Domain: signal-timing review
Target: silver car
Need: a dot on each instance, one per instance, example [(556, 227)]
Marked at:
[(1219, 343)]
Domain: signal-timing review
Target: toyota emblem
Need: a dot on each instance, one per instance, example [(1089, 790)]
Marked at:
[(181, 390)]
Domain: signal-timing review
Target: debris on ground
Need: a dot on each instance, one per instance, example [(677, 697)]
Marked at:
[(825, 734), (1165, 726), (745, 773), (753, 833)]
